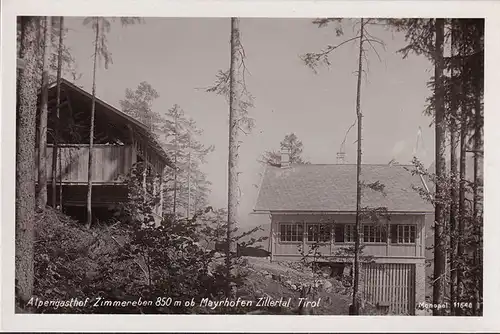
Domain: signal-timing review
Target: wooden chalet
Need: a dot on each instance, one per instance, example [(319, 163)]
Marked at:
[(315, 206), (120, 141)]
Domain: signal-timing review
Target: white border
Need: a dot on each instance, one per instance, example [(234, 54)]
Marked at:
[(185, 8)]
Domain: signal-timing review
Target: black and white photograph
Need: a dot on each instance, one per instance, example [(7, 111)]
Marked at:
[(244, 165)]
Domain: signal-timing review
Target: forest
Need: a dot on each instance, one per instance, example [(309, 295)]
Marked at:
[(196, 256)]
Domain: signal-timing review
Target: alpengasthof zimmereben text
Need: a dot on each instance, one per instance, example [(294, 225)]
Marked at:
[(170, 302)]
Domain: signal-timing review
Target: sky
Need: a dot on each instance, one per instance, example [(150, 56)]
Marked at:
[(181, 56)]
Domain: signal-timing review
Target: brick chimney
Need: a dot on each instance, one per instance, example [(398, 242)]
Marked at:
[(285, 157)]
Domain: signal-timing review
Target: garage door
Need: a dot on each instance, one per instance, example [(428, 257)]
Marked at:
[(392, 285)]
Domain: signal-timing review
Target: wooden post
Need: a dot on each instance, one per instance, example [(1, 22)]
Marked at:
[(133, 150), (417, 234), (162, 176), (304, 236), (155, 189), (91, 132), (55, 150), (144, 174), (388, 234), (332, 228), (189, 179)]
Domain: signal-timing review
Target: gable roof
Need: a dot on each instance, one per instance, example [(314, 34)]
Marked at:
[(138, 127), (333, 188)]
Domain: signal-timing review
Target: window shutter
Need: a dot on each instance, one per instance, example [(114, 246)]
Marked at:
[(394, 234), (339, 233)]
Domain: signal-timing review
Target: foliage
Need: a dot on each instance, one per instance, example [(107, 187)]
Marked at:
[(293, 145), (314, 60), (138, 104), (419, 33), (174, 258), (462, 89), (69, 66), (65, 259), (186, 184), (313, 257), (102, 26), (134, 256), (471, 237), (246, 101)]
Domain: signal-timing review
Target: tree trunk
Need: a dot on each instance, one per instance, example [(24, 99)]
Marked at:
[(60, 155), (195, 204), (25, 160), (55, 151), (144, 178), (440, 212), (175, 164), (91, 133), (475, 203), (454, 172), (355, 293), (234, 97), (462, 177), (477, 221), (42, 125), (189, 178), (162, 189)]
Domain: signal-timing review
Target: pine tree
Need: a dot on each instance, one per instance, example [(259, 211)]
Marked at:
[(91, 133), (180, 141), (454, 133), (461, 94), (138, 104), (55, 151), (101, 26), (234, 96), (232, 85), (439, 220), (293, 145), (313, 60)]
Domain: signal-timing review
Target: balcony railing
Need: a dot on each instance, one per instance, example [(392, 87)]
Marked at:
[(110, 163)]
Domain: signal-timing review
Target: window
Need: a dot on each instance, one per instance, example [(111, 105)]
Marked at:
[(338, 233), (349, 233), (318, 232), (403, 234), (344, 232), (292, 232), (372, 233)]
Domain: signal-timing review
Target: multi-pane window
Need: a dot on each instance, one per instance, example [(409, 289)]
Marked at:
[(344, 232), (318, 232), (291, 232), (399, 234), (372, 233), (403, 234), (349, 232)]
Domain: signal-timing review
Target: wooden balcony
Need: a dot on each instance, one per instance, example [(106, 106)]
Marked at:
[(110, 163)]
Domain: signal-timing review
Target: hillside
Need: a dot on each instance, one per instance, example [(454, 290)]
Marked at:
[(284, 280)]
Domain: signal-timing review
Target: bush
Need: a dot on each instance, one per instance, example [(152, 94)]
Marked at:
[(131, 257)]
